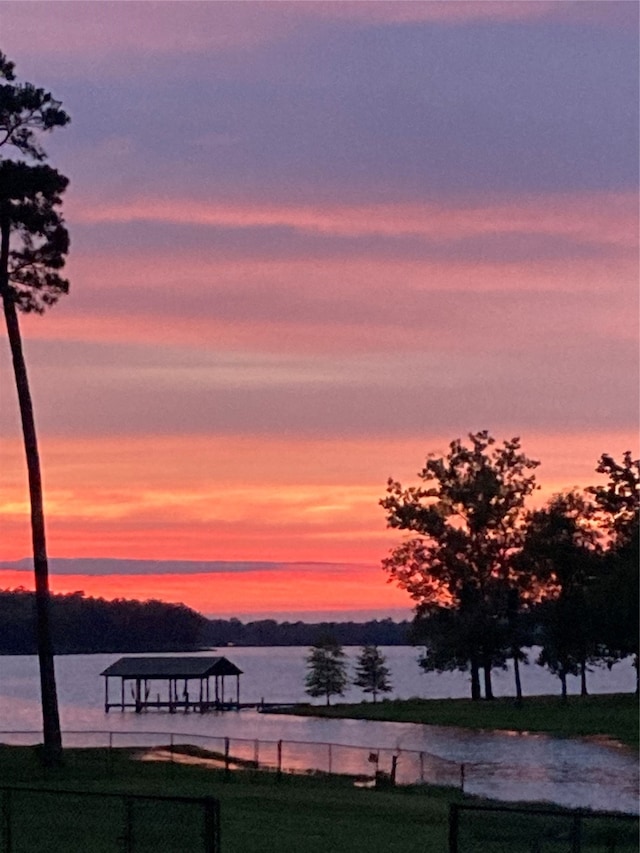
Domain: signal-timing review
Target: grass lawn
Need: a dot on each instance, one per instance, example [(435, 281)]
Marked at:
[(260, 812), (609, 715)]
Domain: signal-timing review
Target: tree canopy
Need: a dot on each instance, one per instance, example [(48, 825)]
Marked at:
[(466, 525), (561, 549), (490, 578), (26, 112)]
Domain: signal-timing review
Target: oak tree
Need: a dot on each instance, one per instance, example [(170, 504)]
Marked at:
[(465, 526), (562, 549)]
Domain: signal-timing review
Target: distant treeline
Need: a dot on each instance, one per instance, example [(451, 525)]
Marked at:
[(268, 632), (81, 624)]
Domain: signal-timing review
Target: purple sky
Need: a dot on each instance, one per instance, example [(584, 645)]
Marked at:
[(312, 242)]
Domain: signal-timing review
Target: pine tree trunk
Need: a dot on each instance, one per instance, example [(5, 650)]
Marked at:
[(50, 717), (516, 673)]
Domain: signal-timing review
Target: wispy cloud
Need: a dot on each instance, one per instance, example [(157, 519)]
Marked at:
[(312, 242)]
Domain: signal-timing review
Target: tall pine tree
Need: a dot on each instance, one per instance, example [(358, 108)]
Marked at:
[(33, 245)]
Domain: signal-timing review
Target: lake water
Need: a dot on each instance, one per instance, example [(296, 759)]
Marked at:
[(504, 765)]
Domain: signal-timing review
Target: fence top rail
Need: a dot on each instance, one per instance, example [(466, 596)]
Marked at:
[(120, 795), (558, 812), (172, 736)]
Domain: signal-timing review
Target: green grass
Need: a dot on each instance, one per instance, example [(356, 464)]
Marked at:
[(609, 715), (260, 812)]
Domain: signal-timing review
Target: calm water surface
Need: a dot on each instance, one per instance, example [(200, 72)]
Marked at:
[(503, 765)]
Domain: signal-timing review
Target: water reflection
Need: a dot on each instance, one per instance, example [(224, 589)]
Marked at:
[(505, 765)]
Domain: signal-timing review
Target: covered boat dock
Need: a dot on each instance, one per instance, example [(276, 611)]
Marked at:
[(164, 683)]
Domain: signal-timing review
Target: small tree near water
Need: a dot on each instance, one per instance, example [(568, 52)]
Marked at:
[(327, 670), (372, 675)]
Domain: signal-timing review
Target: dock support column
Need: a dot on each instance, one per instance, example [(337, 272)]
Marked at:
[(238, 692), (106, 694), (122, 694)]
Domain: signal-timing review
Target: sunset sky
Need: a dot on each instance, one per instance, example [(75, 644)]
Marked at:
[(311, 243)]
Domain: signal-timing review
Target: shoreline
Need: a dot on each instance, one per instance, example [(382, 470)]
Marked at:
[(610, 716)]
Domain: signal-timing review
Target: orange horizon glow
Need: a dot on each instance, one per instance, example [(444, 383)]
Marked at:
[(226, 594), (240, 498)]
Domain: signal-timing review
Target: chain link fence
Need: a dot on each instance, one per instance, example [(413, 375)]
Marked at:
[(366, 763)]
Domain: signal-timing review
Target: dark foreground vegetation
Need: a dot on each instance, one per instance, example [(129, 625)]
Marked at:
[(609, 715), (259, 811)]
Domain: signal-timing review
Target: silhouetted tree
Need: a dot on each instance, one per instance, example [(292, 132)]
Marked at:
[(561, 546), (372, 674), (466, 522), (327, 671), (33, 245), (617, 592)]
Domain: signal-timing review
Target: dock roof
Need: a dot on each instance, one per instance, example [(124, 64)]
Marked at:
[(175, 667)]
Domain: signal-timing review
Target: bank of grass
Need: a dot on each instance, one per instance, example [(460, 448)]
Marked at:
[(259, 811), (612, 715)]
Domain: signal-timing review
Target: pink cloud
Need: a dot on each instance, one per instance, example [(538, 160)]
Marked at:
[(603, 218), (100, 33)]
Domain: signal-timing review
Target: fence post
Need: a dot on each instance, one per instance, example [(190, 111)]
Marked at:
[(462, 778), (6, 820), (330, 759), (256, 753), (226, 757), (576, 833), (211, 825), (422, 767), (453, 828), (279, 758)]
